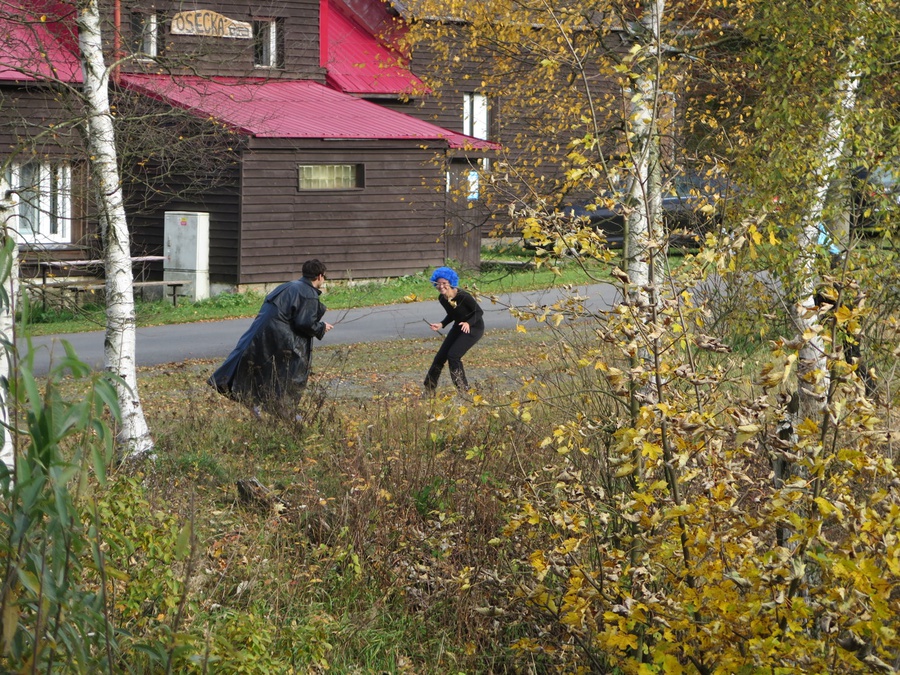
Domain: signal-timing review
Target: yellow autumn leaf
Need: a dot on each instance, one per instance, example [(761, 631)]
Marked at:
[(537, 561), (827, 509), (843, 314), (651, 450), (572, 618), (808, 427), (755, 235), (682, 510), (621, 641), (671, 665), (533, 516), (625, 470), (568, 545)]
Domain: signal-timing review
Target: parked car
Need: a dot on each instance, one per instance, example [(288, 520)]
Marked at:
[(876, 196), (688, 214)]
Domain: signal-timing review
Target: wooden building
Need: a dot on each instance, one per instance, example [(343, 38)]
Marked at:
[(40, 144), (282, 117)]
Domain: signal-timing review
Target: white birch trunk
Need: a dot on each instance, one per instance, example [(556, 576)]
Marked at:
[(7, 331), (812, 367), (644, 193), (134, 440), (637, 218)]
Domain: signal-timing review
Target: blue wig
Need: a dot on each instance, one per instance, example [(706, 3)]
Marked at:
[(445, 273)]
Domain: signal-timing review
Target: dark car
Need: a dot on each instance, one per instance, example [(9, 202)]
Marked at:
[(687, 216), (876, 197)]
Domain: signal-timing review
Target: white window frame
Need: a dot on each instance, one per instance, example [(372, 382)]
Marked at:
[(270, 57), (149, 39), (476, 122), (474, 193), (53, 209)]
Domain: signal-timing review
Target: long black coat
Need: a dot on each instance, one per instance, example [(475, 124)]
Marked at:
[(270, 365)]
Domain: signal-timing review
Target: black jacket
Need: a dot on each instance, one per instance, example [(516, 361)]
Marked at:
[(463, 308), (272, 359)]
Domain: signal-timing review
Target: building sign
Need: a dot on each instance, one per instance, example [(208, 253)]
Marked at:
[(213, 24)]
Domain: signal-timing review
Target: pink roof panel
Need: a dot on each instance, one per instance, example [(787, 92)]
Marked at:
[(32, 49), (358, 63), (292, 109)]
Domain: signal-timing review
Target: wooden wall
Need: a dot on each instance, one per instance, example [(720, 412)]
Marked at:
[(228, 56), (518, 125), (223, 206), (26, 113), (391, 227)]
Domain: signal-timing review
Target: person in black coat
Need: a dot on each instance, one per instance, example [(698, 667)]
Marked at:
[(269, 367), (468, 327)]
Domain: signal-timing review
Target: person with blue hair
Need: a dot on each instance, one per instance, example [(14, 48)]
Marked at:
[(464, 312)]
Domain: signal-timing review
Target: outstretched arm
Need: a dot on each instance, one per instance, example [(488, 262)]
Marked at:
[(306, 321)]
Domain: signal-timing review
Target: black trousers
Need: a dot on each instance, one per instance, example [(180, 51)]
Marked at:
[(454, 347)]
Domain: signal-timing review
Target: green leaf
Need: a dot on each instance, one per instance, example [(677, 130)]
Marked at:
[(183, 543)]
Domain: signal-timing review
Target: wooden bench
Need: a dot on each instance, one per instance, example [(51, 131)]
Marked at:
[(81, 287), (90, 286), (96, 283)]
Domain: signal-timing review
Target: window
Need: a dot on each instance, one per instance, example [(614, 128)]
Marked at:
[(475, 116), (476, 123), (331, 177), (42, 194), (145, 35), (266, 44)]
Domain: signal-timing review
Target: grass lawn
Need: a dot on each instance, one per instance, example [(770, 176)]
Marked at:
[(377, 481)]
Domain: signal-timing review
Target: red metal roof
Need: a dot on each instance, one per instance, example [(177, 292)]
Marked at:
[(292, 109), (38, 47), (358, 63)]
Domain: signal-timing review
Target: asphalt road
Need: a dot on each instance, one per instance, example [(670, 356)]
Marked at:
[(215, 339)]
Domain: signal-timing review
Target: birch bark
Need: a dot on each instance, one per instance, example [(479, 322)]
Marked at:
[(10, 284), (812, 367), (644, 198), (133, 438)]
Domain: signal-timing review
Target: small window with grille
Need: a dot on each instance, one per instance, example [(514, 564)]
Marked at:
[(331, 176)]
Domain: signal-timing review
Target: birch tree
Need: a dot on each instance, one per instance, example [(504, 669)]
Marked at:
[(584, 98), (9, 279), (812, 366), (825, 90), (134, 438)]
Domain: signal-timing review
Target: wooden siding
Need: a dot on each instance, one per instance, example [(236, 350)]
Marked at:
[(222, 204), (391, 227), (181, 164), (195, 55), (513, 124), (26, 113), (465, 219)]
